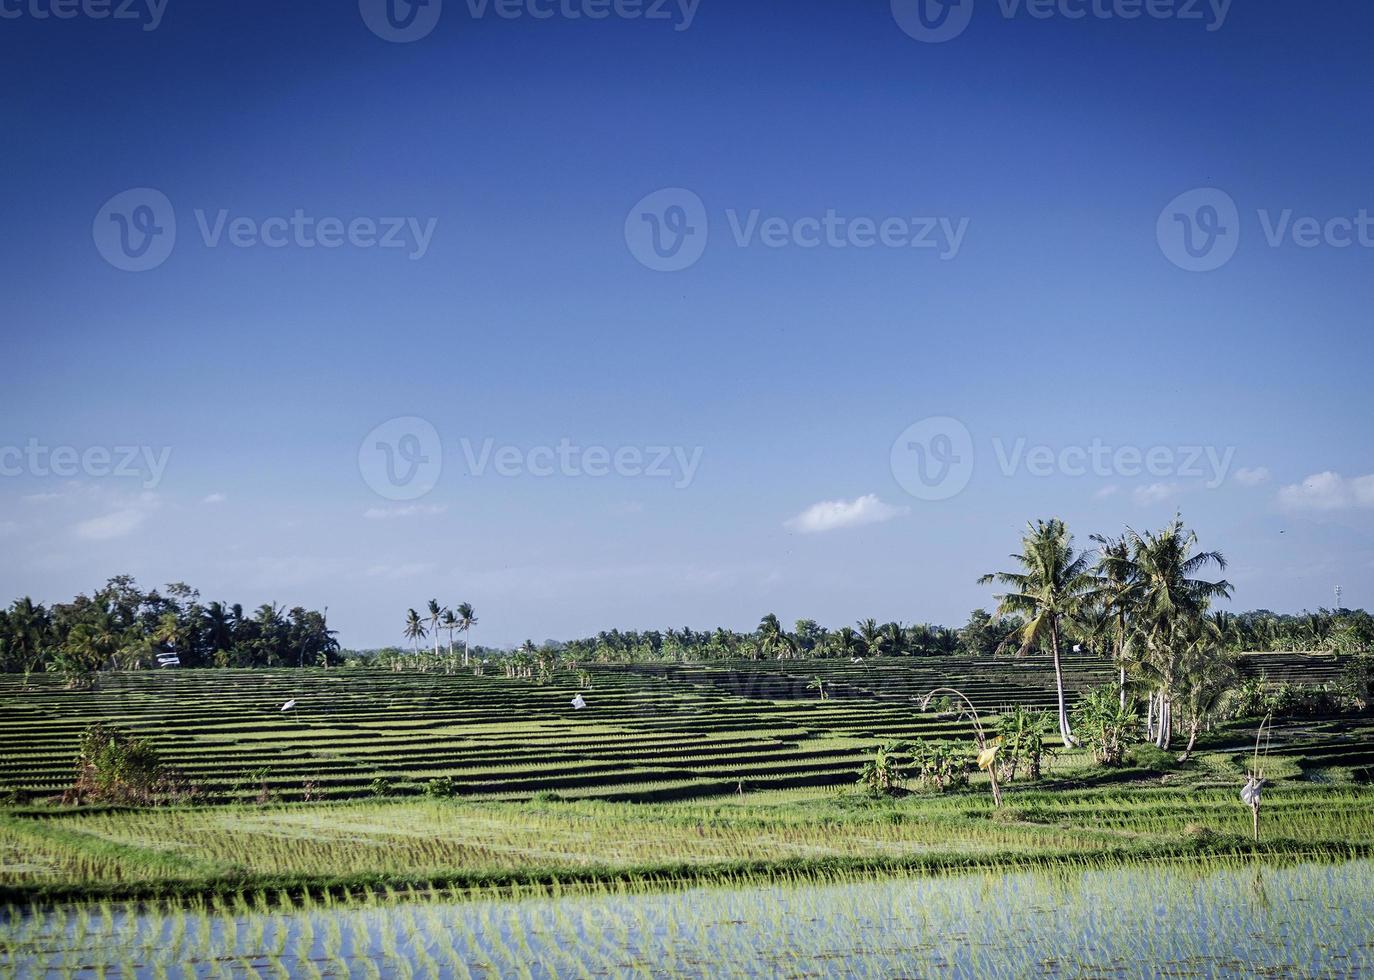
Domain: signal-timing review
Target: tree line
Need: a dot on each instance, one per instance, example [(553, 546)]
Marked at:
[(121, 627)]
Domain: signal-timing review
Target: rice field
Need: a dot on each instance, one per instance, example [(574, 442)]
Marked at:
[(647, 733), (1208, 918)]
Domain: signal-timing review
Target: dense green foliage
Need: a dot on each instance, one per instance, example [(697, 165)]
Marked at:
[(119, 626)]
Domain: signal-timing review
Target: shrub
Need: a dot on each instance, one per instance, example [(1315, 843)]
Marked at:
[(942, 766), (379, 787), (881, 775), (114, 767), (546, 796), (1251, 699), (441, 787), (1104, 726), (1357, 681), (1022, 734)]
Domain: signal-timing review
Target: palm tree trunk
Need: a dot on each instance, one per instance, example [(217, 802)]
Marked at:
[(1064, 732), (465, 646), (1192, 739), (1150, 718)]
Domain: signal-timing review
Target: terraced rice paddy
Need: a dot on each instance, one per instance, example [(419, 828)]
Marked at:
[(646, 733), (696, 821)]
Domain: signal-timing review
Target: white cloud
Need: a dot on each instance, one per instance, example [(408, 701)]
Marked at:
[(1328, 491), (1252, 476), (115, 525), (1110, 490), (1156, 493), (215, 498), (831, 515), (409, 510)]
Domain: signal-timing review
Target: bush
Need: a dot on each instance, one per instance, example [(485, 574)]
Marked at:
[(1104, 726), (379, 787), (114, 767), (546, 796), (941, 766), (441, 788)]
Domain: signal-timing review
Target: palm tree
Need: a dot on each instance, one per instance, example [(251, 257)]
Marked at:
[(1171, 605), (436, 614), (868, 629), (892, 639), (467, 619), (414, 629), (773, 639), (844, 641), (1120, 592), (219, 629), (1052, 590), (1207, 674), (449, 622)]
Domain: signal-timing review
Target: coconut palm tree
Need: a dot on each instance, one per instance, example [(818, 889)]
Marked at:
[(436, 614), (773, 639), (1053, 588), (892, 639), (871, 634), (1171, 606), (414, 629), (448, 623), (1120, 593), (467, 619), (844, 642)]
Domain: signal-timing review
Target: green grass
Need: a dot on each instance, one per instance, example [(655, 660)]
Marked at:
[(430, 844)]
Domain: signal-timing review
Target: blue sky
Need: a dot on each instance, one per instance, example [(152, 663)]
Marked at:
[(516, 313)]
